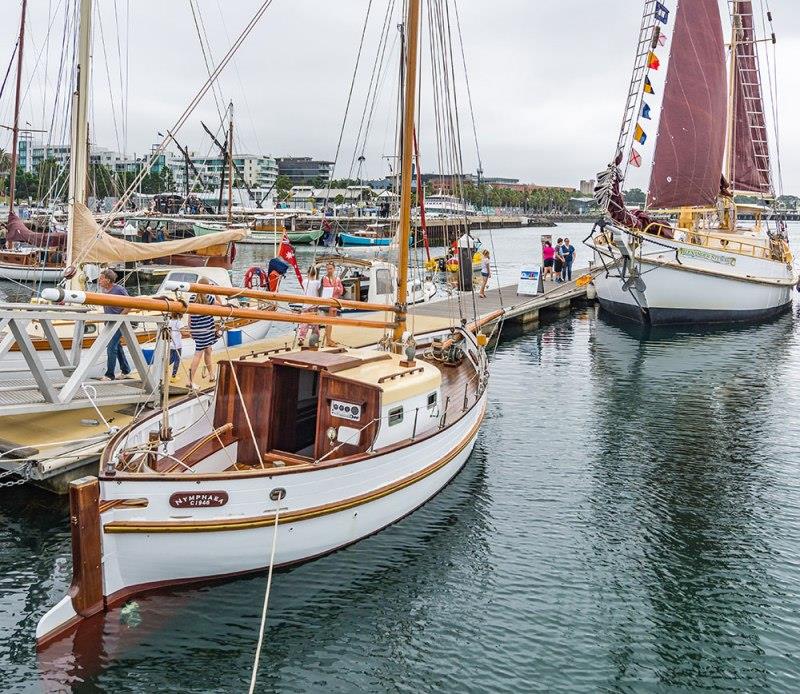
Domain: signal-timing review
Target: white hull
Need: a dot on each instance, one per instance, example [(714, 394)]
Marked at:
[(322, 511), (22, 273), (705, 286)]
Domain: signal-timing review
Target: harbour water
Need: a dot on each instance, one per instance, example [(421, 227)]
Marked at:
[(628, 521)]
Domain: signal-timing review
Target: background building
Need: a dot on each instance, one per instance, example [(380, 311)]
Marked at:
[(258, 170), (303, 169)]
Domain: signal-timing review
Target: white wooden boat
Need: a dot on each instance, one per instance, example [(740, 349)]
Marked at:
[(349, 441), (325, 446)]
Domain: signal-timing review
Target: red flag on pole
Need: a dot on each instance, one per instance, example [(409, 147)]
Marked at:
[(286, 252)]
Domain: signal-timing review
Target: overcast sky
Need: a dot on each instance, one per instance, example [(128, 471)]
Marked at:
[(548, 79)]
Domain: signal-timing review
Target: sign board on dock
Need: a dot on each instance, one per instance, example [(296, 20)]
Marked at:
[(530, 280)]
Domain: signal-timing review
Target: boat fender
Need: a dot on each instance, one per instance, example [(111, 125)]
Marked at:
[(252, 273)]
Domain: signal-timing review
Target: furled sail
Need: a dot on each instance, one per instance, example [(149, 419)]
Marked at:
[(750, 165), (92, 244), (690, 145), (17, 232)]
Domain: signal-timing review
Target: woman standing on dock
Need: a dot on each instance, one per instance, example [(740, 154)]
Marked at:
[(486, 273), (204, 334), (312, 289), (332, 288)]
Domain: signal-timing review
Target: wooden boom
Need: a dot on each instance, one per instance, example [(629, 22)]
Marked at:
[(174, 306), (275, 296)]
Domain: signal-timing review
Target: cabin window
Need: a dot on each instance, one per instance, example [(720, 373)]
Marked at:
[(395, 416), (431, 400), (383, 282)]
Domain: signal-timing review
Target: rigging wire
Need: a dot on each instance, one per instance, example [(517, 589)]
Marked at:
[(347, 107), (178, 123)]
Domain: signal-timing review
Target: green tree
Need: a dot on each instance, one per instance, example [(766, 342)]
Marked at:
[(283, 184), (634, 196)]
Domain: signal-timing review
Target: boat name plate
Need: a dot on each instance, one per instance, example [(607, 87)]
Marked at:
[(198, 499), (697, 254)]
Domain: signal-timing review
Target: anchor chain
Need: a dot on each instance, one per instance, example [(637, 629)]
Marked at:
[(24, 475)]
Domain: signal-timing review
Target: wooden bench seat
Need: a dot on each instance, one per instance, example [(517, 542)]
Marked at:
[(193, 453)]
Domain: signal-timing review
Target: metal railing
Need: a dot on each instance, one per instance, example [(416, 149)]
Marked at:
[(48, 370)]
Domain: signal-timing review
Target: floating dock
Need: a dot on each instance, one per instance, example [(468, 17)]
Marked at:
[(52, 448)]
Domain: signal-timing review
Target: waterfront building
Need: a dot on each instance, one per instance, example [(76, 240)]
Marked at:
[(303, 170), (257, 170)]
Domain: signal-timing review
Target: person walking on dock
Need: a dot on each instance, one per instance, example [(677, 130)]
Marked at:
[(332, 288), (486, 273), (204, 334), (568, 251), (312, 288), (558, 262), (114, 352)]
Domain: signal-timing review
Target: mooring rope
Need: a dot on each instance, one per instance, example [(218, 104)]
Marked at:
[(261, 629)]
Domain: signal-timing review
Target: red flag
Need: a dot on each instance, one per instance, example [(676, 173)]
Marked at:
[(653, 61), (286, 252)]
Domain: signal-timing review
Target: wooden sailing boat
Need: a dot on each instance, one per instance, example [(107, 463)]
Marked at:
[(688, 257), (327, 446)]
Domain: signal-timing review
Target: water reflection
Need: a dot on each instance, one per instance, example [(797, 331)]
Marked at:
[(679, 503)]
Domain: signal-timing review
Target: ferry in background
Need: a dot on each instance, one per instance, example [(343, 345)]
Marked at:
[(445, 206)]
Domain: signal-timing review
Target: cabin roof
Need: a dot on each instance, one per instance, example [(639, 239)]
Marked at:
[(370, 367)]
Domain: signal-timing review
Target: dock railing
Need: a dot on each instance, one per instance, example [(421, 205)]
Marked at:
[(48, 368)]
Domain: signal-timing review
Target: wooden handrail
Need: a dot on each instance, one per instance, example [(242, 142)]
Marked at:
[(174, 306), (235, 292)]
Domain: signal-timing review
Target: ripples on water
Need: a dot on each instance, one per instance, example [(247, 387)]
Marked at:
[(627, 522)]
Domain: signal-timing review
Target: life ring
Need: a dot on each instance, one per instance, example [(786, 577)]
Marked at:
[(252, 273)]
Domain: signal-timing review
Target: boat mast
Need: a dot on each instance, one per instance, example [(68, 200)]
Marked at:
[(15, 137), (230, 163), (79, 140), (409, 104)]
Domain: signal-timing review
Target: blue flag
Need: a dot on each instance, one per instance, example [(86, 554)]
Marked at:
[(661, 13), (646, 111)]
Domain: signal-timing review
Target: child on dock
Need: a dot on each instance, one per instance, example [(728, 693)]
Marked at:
[(176, 343), (548, 255), (558, 262), (313, 286)]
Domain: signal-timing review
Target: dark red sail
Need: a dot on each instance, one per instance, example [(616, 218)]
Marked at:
[(17, 232), (690, 145), (750, 164)]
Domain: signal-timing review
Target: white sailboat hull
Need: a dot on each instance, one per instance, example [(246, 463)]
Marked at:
[(323, 510), (704, 287), (28, 273)]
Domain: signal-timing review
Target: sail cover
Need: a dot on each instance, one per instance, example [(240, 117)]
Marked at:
[(93, 245), (17, 232), (750, 165), (690, 145)]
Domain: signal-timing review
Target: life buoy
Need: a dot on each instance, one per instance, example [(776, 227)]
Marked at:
[(252, 273)]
